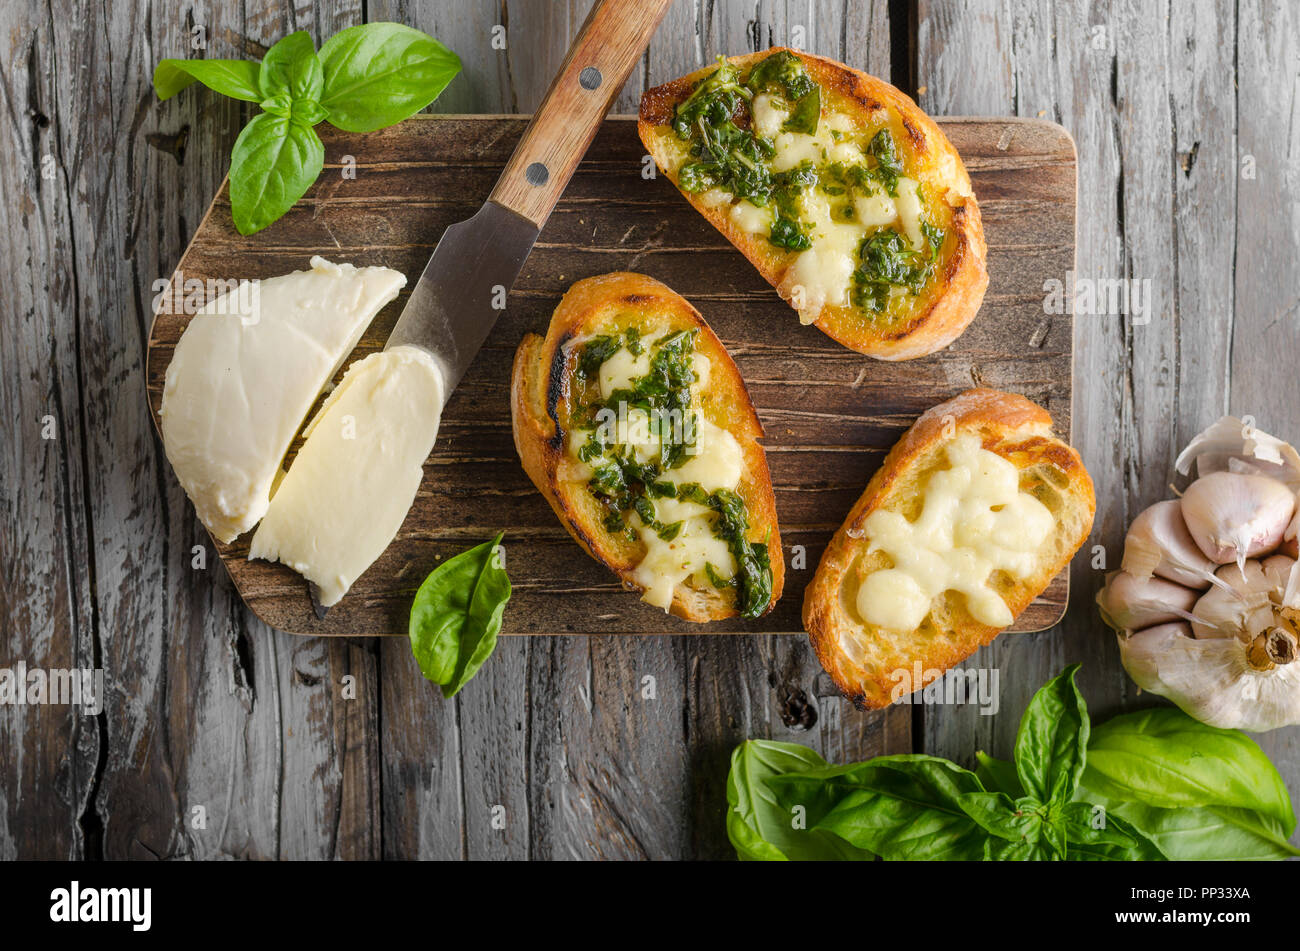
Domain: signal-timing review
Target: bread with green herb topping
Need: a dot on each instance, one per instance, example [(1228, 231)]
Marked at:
[(633, 422), (849, 200)]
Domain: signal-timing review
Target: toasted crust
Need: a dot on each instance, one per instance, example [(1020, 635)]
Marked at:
[(941, 315), (1009, 425), (540, 391)]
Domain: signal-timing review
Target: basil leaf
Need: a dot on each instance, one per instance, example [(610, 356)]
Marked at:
[(307, 111), (381, 73), (292, 68), (998, 775), (899, 807), (236, 78), (1000, 815), (762, 829), (807, 111), (274, 162), (278, 106), (1022, 850), (1051, 745), (1162, 757), (1104, 836), (1201, 833), (456, 616), (1052, 829)]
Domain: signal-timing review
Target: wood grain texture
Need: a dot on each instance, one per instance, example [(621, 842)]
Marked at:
[(209, 707), (219, 736), (829, 414), (607, 48)]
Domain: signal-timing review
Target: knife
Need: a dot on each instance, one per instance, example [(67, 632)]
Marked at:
[(463, 288)]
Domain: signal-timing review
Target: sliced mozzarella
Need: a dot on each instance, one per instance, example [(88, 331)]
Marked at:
[(245, 373), (354, 480)]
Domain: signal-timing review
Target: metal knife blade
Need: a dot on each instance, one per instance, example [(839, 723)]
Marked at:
[(463, 288)]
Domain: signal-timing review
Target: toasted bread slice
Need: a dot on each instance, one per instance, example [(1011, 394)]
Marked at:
[(822, 283), (552, 402), (875, 664)]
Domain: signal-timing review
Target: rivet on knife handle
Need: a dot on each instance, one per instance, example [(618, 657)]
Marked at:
[(601, 58)]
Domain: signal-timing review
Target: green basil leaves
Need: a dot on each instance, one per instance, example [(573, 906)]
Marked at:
[(365, 77), (236, 78), (274, 162), (291, 69), (380, 73), (1052, 742), (457, 613), (1146, 786), (1163, 757)]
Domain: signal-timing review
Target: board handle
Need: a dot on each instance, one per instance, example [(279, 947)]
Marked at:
[(611, 40)]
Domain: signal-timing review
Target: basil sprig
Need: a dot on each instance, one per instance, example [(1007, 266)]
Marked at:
[(364, 78), (457, 614), (1131, 789)]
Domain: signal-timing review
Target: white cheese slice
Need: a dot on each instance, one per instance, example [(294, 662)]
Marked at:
[(354, 480), (821, 275), (769, 115), (245, 373), (716, 462), (668, 563), (974, 521), (909, 212), (875, 210), (621, 369), (751, 219)]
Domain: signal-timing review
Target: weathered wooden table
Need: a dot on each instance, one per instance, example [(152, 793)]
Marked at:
[(220, 737)]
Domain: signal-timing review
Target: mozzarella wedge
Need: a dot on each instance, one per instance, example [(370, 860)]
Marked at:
[(353, 481), (245, 373)]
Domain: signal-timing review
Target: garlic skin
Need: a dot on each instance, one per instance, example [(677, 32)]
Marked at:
[(1159, 543), (1233, 516), (1212, 680), (1232, 446), (1129, 604), (1223, 643)]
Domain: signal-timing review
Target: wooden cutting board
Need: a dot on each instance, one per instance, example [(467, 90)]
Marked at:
[(830, 414)]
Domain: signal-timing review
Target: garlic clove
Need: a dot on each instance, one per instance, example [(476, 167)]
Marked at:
[(1231, 441), (1284, 575), (1212, 680), (1158, 542), (1130, 604), (1242, 608), (1290, 546), (1142, 650), (1233, 516)]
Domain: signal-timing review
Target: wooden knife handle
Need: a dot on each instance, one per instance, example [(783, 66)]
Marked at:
[(612, 39)]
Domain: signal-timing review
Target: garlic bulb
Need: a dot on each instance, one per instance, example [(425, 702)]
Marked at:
[(1215, 680), (1207, 604), (1158, 542), (1233, 516)]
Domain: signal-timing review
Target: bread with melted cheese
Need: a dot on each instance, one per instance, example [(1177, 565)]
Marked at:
[(549, 424), (869, 661), (858, 106)]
